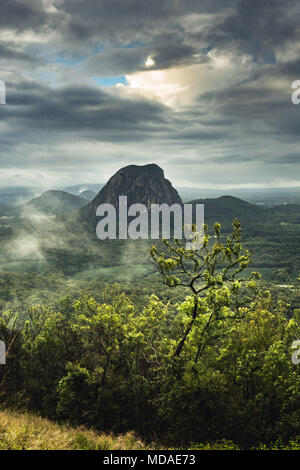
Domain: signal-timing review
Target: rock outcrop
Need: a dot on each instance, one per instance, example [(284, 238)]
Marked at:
[(141, 184)]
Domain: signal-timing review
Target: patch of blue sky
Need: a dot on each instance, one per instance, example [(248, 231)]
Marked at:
[(132, 45), (70, 60), (110, 81)]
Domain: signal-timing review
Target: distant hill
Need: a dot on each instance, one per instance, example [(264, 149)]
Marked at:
[(54, 203), (88, 194), (262, 196), (256, 220), (79, 188), (225, 208)]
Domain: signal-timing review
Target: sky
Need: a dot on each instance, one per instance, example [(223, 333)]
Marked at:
[(200, 87)]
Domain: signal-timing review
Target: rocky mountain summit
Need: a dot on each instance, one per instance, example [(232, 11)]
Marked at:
[(141, 184)]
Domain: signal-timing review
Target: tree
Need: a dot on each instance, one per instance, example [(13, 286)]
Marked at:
[(211, 274)]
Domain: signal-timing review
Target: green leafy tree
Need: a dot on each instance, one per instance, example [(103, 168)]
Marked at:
[(211, 273)]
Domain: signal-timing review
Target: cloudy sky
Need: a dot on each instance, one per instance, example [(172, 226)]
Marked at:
[(200, 87)]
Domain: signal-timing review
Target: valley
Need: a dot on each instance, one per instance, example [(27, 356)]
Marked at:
[(84, 309)]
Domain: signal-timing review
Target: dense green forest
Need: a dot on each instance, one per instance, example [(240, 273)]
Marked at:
[(187, 348), (149, 227)]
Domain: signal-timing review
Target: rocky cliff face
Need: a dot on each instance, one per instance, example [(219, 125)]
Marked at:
[(141, 184)]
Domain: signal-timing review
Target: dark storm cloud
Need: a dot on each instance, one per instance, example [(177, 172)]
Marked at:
[(157, 26), (261, 110), (163, 29), (248, 102), (290, 70), (244, 120), (37, 111), (117, 20), (257, 27), (10, 52), (170, 54), (115, 62), (39, 115), (20, 15)]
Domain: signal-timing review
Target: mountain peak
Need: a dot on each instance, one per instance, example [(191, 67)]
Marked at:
[(144, 184), (150, 169)]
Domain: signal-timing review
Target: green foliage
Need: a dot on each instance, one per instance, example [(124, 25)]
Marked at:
[(210, 273), (211, 364)]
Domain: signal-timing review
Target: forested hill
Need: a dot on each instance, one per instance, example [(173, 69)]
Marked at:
[(225, 208), (55, 203), (271, 233)]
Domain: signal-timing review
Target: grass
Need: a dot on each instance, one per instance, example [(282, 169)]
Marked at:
[(24, 431)]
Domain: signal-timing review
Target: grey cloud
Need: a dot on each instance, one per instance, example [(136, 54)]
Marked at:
[(258, 27), (114, 62), (21, 15), (287, 159), (10, 52), (169, 54), (38, 112), (117, 20), (234, 159), (246, 125), (198, 134)]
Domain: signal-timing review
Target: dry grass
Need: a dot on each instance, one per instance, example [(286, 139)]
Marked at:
[(24, 431)]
